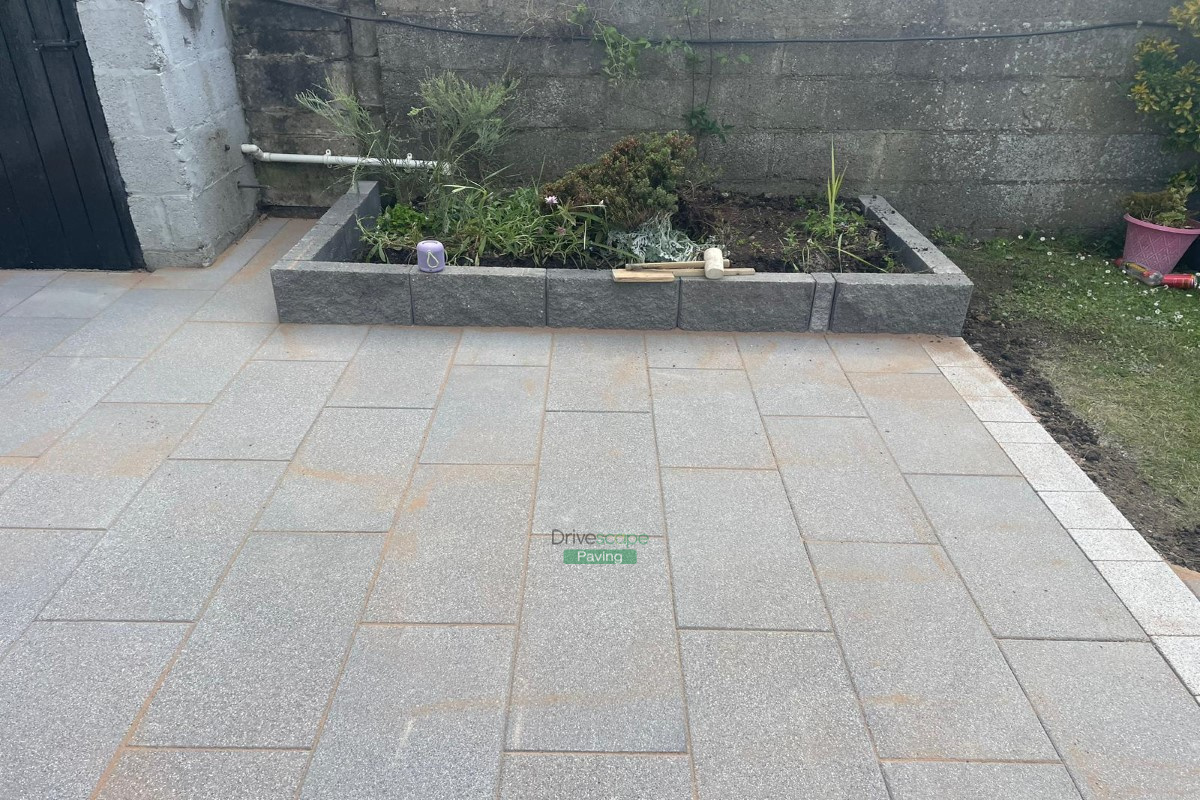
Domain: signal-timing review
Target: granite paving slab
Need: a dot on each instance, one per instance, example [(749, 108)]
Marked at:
[(488, 415), (882, 353), (313, 343), (205, 775), (24, 341), (797, 376), (548, 776), (11, 468), (136, 323), (978, 781), (397, 368), (693, 350), (81, 295), (504, 347), (708, 418), (35, 563), (598, 371)]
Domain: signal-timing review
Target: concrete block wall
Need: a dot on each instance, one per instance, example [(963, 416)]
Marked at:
[(984, 136), (165, 78)]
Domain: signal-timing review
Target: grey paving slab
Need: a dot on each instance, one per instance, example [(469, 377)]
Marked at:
[(166, 552), (976, 383), (443, 730), (1113, 545), (1047, 467), (546, 776), (313, 343), (966, 781), (1124, 723), (952, 352), (136, 323), (76, 294), (797, 376), (708, 418), (397, 368), (205, 775), (931, 680), (88, 476), (452, 514), (43, 402), (24, 340), (11, 468), (830, 466), (488, 415), (693, 350), (773, 715), (264, 412), (928, 427), (260, 666), (1155, 596), (13, 294), (599, 474), (68, 694), (194, 365), (350, 472), (28, 277), (1085, 510), (613, 624), (737, 559), (35, 563), (1025, 572), (1183, 654), (882, 353), (1000, 409), (1019, 433), (248, 296), (511, 347), (598, 371), (214, 276)]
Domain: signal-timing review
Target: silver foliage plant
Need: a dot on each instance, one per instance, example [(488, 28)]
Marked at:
[(658, 240)]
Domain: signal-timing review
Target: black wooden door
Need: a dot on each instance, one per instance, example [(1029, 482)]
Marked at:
[(62, 203)]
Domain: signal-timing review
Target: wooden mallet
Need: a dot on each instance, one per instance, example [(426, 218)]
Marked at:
[(714, 263)]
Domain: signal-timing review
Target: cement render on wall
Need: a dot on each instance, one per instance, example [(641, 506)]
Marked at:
[(982, 135)]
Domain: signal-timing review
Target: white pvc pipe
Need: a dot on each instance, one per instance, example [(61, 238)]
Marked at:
[(330, 160)]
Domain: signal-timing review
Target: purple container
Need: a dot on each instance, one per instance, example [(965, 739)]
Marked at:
[(431, 256)]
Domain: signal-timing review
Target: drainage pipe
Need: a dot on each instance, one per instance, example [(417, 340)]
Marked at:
[(330, 160)]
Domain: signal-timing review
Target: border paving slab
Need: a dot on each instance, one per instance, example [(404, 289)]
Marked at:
[(443, 730), (248, 296), (1183, 654), (708, 418), (952, 352), (259, 668), (1124, 723), (978, 781), (397, 368), (1048, 468), (504, 347), (773, 715), (23, 341), (205, 775), (1000, 409), (598, 371), (1157, 598), (136, 323), (797, 376), (1113, 545), (881, 353), (313, 343), (1018, 433), (545, 776), (35, 563), (931, 680), (1085, 510), (215, 275), (693, 350), (488, 415)]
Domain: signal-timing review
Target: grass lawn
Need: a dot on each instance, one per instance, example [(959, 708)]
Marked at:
[(1125, 358)]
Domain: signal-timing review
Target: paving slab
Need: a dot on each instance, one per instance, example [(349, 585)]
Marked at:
[(350, 472), (1183, 654), (313, 343), (13, 294), (928, 427), (28, 277), (35, 563), (166, 552), (511, 347), (215, 275), (1124, 723), (397, 368), (261, 664), (737, 559), (1085, 510), (708, 418), (976, 383), (693, 350), (797, 376), (881, 353), (1157, 598), (194, 365), (136, 323), (1000, 409), (43, 402), (976, 781), (1113, 545), (457, 551), (443, 730), (76, 294), (488, 415), (11, 468), (265, 411), (597, 663), (932, 682), (68, 694), (773, 715), (829, 466), (89, 475), (549, 776), (598, 371), (1048, 468), (247, 296), (1025, 572), (24, 340), (952, 352), (1018, 433), (599, 474), (205, 775)]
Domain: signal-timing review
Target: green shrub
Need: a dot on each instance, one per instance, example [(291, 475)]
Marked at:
[(1168, 207), (1167, 89), (463, 125)]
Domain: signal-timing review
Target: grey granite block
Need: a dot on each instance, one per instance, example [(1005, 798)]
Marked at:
[(247, 296), (452, 513), (1124, 723), (881, 353), (168, 549), (822, 307), (313, 343), (397, 368), (737, 559), (599, 474), (1085, 510), (917, 252), (774, 715), (264, 412), (1048, 468), (578, 298), (480, 296), (444, 727), (967, 781), (336, 236), (350, 472), (766, 301), (900, 303), (88, 476), (205, 775), (708, 418), (488, 415), (336, 293), (69, 694), (599, 372), (1000, 409), (693, 350), (76, 294), (507, 348), (136, 323), (797, 376), (530, 776), (35, 563), (24, 340), (1113, 545), (1158, 599), (1028, 577), (259, 668), (1018, 433), (931, 680), (827, 464)]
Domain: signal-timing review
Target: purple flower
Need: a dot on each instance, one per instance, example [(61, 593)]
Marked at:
[(551, 200)]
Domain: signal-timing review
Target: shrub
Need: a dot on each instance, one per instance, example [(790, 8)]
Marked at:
[(1168, 207), (1166, 89), (657, 240)]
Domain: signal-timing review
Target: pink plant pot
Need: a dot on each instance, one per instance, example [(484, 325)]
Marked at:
[(1156, 247)]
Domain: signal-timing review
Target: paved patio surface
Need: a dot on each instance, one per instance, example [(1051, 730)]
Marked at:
[(246, 560)]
